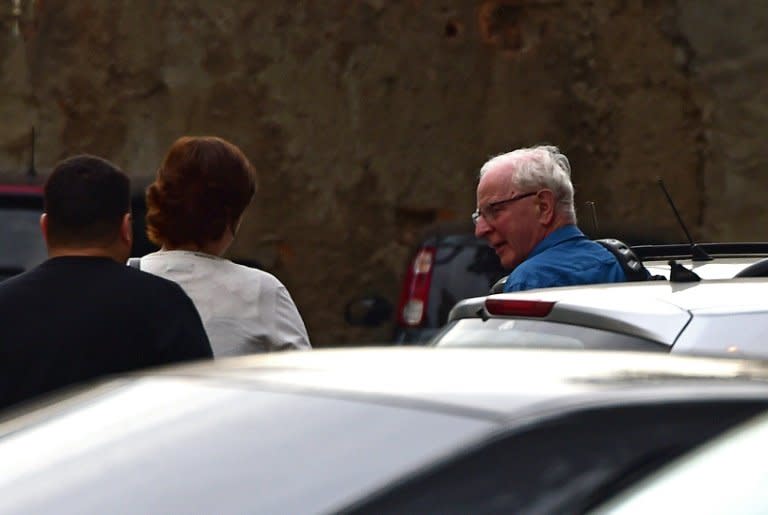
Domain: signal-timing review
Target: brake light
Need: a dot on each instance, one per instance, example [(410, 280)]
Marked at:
[(522, 308), (414, 295)]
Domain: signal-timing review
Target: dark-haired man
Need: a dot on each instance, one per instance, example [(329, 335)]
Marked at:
[(82, 313)]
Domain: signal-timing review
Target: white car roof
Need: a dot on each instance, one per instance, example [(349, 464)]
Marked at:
[(477, 382), (499, 381), (727, 259), (299, 432), (656, 310), (718, 268)]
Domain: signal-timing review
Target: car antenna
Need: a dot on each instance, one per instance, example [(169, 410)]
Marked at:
[(679, 274), (593, 212), (31, 170), (697, 253)]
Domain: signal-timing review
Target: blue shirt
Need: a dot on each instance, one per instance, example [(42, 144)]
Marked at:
[(565, 257)]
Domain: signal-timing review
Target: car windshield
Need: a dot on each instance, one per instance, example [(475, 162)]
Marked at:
[(502, 332), (722, 477), (21, 242)]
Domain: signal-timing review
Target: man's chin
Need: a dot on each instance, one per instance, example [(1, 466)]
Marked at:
[(507, 258)]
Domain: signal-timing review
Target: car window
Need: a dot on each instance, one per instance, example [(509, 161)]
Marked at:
[(508, 332), (562, 465), (722, 477), (168, 446), (21, 242), (22, 245)]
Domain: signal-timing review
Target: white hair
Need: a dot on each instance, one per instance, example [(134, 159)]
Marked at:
[(535, 168)]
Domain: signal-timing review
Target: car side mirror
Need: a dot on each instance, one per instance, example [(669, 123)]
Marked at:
[(368, 311)]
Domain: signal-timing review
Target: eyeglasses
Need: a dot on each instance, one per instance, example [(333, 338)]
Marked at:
[(491, 211)]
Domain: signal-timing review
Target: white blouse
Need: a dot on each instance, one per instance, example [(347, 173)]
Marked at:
[(244, 310)]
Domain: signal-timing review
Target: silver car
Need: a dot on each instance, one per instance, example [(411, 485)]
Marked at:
[(387, 430), (714, 317)]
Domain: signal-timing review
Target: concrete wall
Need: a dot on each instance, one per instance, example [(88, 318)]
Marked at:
[(368, 119)]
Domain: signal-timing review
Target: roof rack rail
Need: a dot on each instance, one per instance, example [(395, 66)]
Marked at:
[(683, 250)]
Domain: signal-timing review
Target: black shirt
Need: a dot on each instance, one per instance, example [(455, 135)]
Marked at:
[(75, 318)]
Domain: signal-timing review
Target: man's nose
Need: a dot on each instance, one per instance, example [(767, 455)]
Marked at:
[(482, 228)]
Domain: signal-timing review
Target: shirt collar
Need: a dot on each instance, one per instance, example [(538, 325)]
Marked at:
[(567, 232)]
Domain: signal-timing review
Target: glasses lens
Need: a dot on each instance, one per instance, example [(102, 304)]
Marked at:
[(475, 217)]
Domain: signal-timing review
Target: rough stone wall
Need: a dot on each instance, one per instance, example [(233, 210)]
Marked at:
[(728, 42), (368, 119)]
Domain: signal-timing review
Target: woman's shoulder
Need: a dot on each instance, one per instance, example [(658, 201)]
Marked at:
[(251, 271)]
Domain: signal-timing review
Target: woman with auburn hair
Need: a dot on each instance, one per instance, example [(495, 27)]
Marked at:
[(194, 209)]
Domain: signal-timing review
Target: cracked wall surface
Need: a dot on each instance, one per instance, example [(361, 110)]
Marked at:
[(368, 120)]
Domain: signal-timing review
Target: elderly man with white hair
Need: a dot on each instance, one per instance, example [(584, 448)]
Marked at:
[(525, 211)]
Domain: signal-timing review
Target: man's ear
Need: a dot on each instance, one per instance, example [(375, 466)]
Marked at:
[(44, 226), (546, 203), (237, 224), (126, 229)]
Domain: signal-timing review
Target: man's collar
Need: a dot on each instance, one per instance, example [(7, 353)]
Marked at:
[(564, 233)]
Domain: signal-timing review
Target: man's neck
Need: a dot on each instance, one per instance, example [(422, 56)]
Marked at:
[(214, 248), (559, 223), (82, 252)]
